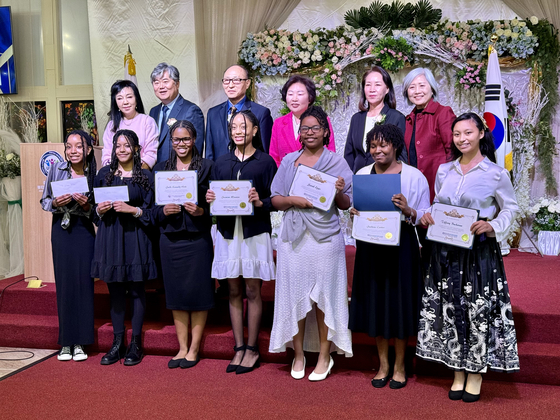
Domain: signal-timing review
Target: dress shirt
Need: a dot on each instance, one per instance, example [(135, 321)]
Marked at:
[(238, 106), (486, 187)]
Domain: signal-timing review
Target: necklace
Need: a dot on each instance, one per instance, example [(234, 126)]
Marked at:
[(181, 166)]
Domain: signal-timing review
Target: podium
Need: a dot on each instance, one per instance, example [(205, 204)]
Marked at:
[(37, 251)]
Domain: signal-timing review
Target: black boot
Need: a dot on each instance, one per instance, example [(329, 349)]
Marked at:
[(116, 352), (134, 351)]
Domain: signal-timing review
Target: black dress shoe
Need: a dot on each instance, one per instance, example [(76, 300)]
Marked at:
[(134, 352), (380, 383), (398, 385), (231, 367), (246, 369), (470, 398), (174, 363), (185, 364), (116, 352)]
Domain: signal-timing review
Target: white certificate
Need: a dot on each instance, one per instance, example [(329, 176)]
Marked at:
[(112, 194), (378, 227), (176, 187), (232, 198), (69, 186), (315, 186), (452, 225)]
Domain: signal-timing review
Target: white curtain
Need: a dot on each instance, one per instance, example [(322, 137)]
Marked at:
[(549, 9), (221, 26)]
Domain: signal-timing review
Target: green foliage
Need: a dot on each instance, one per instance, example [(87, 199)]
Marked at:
[(397, 15), (392, 54), (10, 165)]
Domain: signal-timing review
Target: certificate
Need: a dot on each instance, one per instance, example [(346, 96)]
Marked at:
[(232, 198), (378, 227), (375, 192), (69, 186), (452, 225), (111, 194), (176, 187), (315, 186)]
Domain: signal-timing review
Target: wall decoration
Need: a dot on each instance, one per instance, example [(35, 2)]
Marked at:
[(79, 115)]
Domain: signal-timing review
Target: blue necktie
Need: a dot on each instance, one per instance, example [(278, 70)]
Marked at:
[(165, 110)]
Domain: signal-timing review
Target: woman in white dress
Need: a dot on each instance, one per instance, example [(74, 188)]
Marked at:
[(311, 299), (243, 248)]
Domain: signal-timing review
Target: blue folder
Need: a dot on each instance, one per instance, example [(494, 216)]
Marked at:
[(374, 192)]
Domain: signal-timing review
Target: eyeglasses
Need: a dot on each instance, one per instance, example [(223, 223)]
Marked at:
[(177, 140), (235, 81), (305, 129)]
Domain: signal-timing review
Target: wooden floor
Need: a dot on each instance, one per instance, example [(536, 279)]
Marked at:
[(10, 359)]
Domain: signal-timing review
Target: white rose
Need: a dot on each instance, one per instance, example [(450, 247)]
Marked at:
[(10, 156), (528, 33), (507, 32), (335, 60), (316, 38), (514, 22), (535, 209), (500, 32), (534, 20), (544, 202), (551, 208), (515, 35), (522, 24)]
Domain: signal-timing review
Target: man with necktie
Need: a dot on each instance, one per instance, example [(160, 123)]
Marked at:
[(235, 83), (173, 107)]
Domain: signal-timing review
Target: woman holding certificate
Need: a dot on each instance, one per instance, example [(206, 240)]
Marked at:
[(123, 252), (466, 318), (72, 229), (387, 281), (311, 299), (186, 246), (377, 106), (243, 248)]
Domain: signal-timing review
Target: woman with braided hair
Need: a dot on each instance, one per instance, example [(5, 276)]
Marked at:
[(186, 247), (311, 297), (72, 229), (123, 252)]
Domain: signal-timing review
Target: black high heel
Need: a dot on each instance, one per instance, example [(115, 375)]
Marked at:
[(232, 368), (458, 395), (246, 369)]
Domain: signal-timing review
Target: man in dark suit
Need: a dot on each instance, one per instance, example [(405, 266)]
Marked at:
[(173, 107), (235, 82)]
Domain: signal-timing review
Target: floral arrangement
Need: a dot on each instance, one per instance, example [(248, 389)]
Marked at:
[(391, 53), (547, 215), (10, 165), (471, 77)]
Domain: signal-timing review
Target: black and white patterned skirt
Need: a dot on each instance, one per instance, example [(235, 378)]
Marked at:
[(466, 320)]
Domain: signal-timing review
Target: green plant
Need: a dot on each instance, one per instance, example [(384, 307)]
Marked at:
[(392, 54), (397, 15), (547, 215)]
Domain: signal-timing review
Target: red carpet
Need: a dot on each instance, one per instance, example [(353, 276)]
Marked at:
[(28, 319), (87, 390)]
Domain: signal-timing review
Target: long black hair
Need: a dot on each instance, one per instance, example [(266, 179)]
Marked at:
[(196, 159), (389, 133), (247, 115), (389, 99), (114, 113), (138, 176), (89, 163), (321, 117), (486, 144)]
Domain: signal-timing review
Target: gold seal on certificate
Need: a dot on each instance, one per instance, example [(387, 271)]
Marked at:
[(176, 187), (315, 186), (231, 198), (378, 227), (452, 225)]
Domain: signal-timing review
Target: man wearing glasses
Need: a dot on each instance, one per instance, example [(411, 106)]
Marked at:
[(173, 107), (235, 83)]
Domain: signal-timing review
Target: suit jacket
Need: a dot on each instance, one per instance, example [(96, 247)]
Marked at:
[(217, 137), (283, 140), (433, 139), (354, 152), (182, 110)]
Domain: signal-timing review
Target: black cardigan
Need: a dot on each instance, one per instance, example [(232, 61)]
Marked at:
[(354, 150), (183, 221), (260, 169)]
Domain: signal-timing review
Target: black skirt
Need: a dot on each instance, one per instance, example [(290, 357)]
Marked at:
[(186, 260), (386, 288), (72, 250), (466, 321)]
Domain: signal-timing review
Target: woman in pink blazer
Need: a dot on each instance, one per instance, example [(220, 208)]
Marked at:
[(299, 94)]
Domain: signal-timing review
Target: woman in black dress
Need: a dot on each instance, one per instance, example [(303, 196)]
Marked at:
[(123, 252), (72, 229), (377, 106), (243, 252), (186, 247), (388, 279)]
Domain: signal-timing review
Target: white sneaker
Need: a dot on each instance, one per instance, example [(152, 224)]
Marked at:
[(65, 354), (79, 353)]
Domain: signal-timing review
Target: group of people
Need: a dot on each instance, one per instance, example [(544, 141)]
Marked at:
[(454, 300)]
